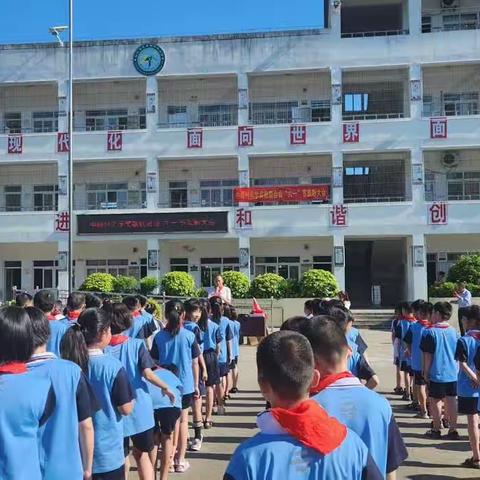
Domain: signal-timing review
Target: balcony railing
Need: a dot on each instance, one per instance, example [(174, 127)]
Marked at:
[(377, 33), (289, 111), (28, 208), (372, 116), (451, 19), (451, 105), (110, 206)]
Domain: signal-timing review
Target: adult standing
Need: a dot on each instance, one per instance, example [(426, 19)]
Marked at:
[(464, 298), (220, 290)]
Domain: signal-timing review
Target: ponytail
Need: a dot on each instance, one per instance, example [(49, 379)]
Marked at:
[(216, 309), (203, 322), (174, 311)]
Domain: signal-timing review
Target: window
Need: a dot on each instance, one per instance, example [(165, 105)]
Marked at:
[(210, 267), (428, 106), (217, 115), (45, 274), (113, 266), (179, 265), (430, 187), (178, 194), (461, 21), (287, 267), (177, 116), (13, 122), (322, 263), (460, 104), (355, 102), (320, 110), (114, 119), (463, 186), (357, 171), (217, 193), (426, 24), (13, 198), (44, 122), (272, 182), (45, 198), (267, 113), (102, 196)]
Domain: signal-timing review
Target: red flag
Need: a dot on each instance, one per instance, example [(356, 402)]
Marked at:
[(256, 308)]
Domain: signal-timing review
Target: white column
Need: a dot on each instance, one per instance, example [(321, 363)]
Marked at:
[(27, 275), (244, 252), (62, 158), (335, 19), (152, 103), (337, 170), (336, 103), (62, 89), (152, 244), (63, 276), (80, 271), (243, 98), (416, 105), (417, 170), (415, 17), (339, 271), (194, 260), (152, 171), (243, 169), (163, 258), (417, 280)]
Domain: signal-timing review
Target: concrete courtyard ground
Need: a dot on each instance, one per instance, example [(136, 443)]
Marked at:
[(436, 460)]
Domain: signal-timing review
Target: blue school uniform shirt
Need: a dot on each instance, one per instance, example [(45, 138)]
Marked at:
[(57, 331), (227, 334), (195, 329), (413, 337), (401, 330), (212, 336), (134, 357), (441, 343), (178, 350), (274, 454), (143, 326), (110, 383), (174, 385), (370, 416), (22, 414), (236, 338), (75, 403), (358, 366), (467, 347)]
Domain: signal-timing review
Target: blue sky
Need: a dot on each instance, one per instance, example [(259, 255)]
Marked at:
[(28, 20)]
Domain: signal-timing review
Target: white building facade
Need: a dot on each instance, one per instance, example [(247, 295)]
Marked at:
[(381, 108)]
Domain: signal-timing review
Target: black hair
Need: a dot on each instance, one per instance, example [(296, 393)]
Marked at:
[(308, 305), (340, 317), (150, 308), (76, 301), (216, 308), (326, 337), (473, 314), (335, 303), (192, 305), (40, 326), (406, 307), (293, 323), (92, 323), (120, 317), (131, 301), (203, 322), (44, 300), (425, 309), (417, 304), (92, 301), (23, 299), (319, 307), (174, 309), (232, 312), (142, 299), (16, 340), (444, 309), (285, 362)]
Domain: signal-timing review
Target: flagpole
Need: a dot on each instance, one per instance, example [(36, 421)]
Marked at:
[(70, 144)]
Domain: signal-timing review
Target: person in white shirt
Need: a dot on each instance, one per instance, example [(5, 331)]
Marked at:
[(464, 298), (220, 290)]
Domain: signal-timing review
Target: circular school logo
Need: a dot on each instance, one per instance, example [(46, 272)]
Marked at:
[(148, 59)]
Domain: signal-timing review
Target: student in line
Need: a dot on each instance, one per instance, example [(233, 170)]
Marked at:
[(83, 344), (399, 387), (75, 307), (175, 345), (308, 308), (134, 356), (403, 324), (45, 301), (235, 347), (227, 312), (440, 369), (143, 325), (21, 415), (92, 301), (468, 382), (297, 438), (69, 433), (23, 300), (344, 397)]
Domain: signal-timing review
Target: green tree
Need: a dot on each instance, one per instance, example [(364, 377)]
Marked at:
[(178, 284), (269, 285), (98, 282), (319, 283), (237, 282), (467, 270)]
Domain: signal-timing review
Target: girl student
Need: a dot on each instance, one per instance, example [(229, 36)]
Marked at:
[(212, 340), (224, 324), (136, 360), (231, 313), (193, 313), (83, 344), (175, 345), (21, 415)]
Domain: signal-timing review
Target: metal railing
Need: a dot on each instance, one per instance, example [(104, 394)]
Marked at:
[(375, 199), (450, 19), (373, 116), (453, 108), (375, 33)]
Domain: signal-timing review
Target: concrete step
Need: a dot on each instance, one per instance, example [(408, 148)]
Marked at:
[(377, 319)]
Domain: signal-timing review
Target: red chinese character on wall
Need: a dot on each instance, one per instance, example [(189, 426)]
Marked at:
[(438, 127), (338, 215), (351, 132), (15, 144), (243, 218), (114, 141), (245, 136), (438, 213), (194, 138), (63, 142), (62, 222), (298, 134)]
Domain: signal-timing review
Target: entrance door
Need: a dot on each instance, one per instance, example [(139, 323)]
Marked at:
[(45, 274), (13, 278), (358, 281)]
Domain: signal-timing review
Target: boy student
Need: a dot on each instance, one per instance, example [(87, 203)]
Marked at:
[(68, 436), (45, 301), (440, 369), (403, 324), (468, 383), (345, 398), (143, 325), (297, 438), (399, 388), (413, 337)]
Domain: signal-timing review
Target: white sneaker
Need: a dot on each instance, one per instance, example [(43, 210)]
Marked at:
[(196, 444)]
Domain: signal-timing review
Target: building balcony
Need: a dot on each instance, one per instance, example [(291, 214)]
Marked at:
[(452, 17)]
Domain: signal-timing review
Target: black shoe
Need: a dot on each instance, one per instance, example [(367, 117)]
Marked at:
[(445, 423), (434, 434), (453, 435), (234, 390)]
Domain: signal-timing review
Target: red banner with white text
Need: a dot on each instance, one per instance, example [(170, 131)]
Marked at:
[(299, 193)]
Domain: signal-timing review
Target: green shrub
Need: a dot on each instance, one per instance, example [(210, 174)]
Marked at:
[(443, 290), (124, 284), (155, 308), (148, 285), (474, 289), (98, 282), (294, 289), (268, 285), (237, 282), (467, 270), (319, 283), (201, 293), (178, 284)]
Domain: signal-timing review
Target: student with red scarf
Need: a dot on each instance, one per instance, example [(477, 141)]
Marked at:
[(297, 438)]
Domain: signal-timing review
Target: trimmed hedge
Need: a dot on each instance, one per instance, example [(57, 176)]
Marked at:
[(319, 283), (124, 284), (148, 285), (98, 282), (268, 285), (237, 282), (179, 284), (467, 270)]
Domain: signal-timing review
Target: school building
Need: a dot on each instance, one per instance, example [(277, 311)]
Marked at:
[(362, 140)]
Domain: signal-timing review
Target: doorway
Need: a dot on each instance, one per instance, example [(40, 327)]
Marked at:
[(13, 278)]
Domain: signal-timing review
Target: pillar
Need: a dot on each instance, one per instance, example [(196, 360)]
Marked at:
[(243, 98), (62, 285), (338, 268), (337, 177), (62, 158), (416, 92), (152, 103), (415, 17), (335, 18), (244, 254), (417, 176), (336, 97), (417, 281), (152, 182), (27, 275), (152, 255), (80, 271)]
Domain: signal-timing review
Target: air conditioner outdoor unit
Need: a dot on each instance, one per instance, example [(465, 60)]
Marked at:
[(450, 159), (301, 114), (447, 4)]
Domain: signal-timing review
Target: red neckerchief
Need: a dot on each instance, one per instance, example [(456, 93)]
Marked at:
[(327, 380), (118, 340), (442, 325), (136, 314), (424, 323), (51, 317), (475, 334), (13, 368), (409, 318), (311, 426), (73, 315)]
